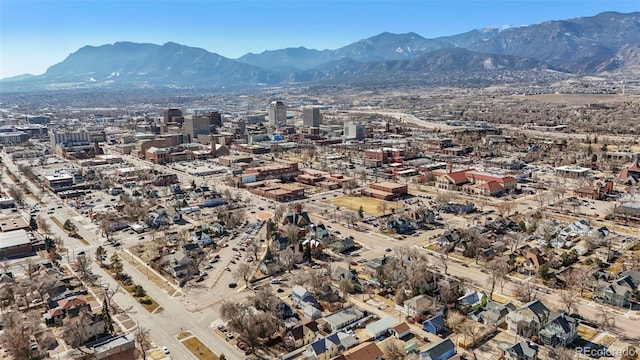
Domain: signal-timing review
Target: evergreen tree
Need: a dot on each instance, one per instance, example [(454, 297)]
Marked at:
[(33, 224), (106, 316), (306, 255)]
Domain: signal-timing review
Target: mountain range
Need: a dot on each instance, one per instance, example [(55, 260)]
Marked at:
[(588, 45)]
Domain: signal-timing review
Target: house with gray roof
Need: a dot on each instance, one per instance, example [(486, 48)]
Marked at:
[(494, 313), (380, 327), (440, 351), (529, 319), (343, 318), (560, 330), (522, 350), (329, 346), (301, 296)]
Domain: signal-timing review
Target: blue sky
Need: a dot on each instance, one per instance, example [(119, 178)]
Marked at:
[(35, 34)]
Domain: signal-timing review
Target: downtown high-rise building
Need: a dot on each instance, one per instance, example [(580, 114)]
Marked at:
[(277, 113), (311, 116)]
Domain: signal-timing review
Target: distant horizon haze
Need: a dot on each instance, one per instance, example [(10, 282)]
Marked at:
[(36, 34)]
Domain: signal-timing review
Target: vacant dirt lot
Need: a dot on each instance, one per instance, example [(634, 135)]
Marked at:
[(369, 205)]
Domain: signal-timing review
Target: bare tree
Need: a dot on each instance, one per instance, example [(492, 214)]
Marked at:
[(291, 232), (43, 225), (394, 350), (287, 259), (18, 329), (17, 195), (382, 207), (143, 340), (83, 263), (505, 208), (526, 292), (607, 318), (569, 299), (278, 214), (497, 271), (266, 300), (244, 272)]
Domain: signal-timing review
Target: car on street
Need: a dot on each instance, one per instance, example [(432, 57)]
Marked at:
[(232, 285), (387, 249), (280, 290), (166, 350)]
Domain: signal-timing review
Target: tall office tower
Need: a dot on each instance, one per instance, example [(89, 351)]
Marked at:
[(311, 116), (173, 116), (277, 113), (195, 125), (353, 130), (216, 118)]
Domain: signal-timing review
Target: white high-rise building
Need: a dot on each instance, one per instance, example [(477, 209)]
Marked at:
[(353, 130), (277, 113)]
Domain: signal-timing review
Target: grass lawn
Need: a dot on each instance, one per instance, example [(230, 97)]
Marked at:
[(61, 226), (156, 354), (143, 269), (184, 335), (606, 340), (369, 205), (586, 332), (198, 349)]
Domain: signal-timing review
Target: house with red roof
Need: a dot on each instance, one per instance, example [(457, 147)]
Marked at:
[(631, 174)]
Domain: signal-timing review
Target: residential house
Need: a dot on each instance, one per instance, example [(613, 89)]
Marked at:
[(449, 239), (343, 318), (201, 238), (620, 291), (343, 245), (301, 296), (440, 351), (311, 312), (416, 304), (69, 306), (523, 350), (400, 330), (533, 262), (365, 351), (401, 226), (329, 346), (177, 263), (351, 275), (303, 334), (380, 327), (435, 325), (529, 319), (473, 300), (495, 314), (560, 330)]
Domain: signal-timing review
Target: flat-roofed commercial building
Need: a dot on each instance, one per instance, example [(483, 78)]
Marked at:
[(14, 243), (386, 190), (58, 181)]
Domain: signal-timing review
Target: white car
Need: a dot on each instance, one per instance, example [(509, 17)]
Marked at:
[(166, 350)]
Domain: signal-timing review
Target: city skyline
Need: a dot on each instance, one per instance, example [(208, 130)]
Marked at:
[(36, 34)]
